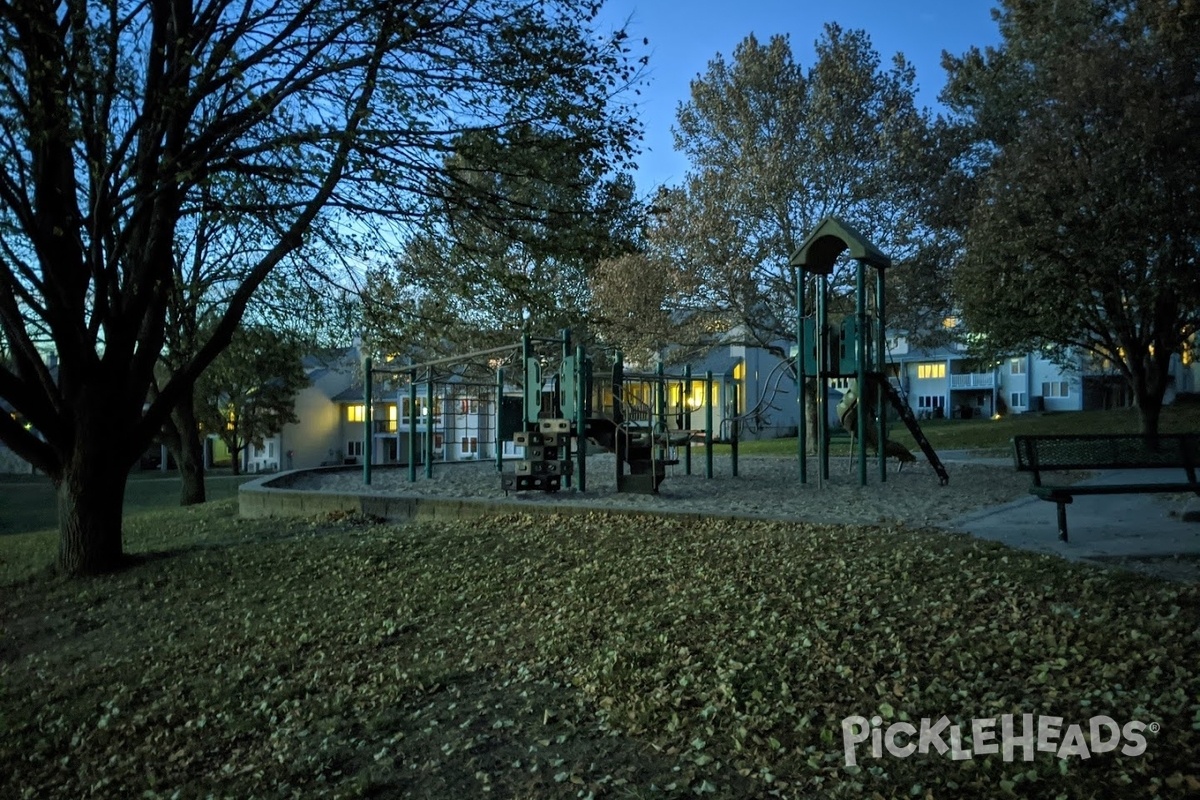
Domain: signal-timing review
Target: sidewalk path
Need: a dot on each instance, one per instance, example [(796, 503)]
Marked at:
[(1145, 532)]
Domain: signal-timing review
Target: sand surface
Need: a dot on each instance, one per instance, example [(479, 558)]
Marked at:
[(765, 486)]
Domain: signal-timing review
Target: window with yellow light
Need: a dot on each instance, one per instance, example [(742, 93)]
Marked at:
[(931, 370)]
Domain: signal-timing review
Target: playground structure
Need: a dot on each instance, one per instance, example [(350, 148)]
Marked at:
[(847, 409), (544, 405), (558, 401), (856, 349), (632, 415)]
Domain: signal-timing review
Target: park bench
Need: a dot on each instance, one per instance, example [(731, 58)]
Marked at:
[(1092, 452)]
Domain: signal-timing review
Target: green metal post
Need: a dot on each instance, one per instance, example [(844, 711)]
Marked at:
[(367, 421), (619, 439), (566, 354), (429, 423), (801, 380), (733, 426), (708, 424), (589, 395), (685, 396), (526, 354), (412, 427), (881, 367), (618, 379), (660, 409), (823, 367), (499, 412), (581, 417), (860, 311)]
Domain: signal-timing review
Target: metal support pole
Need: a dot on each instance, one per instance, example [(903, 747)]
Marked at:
[(823, 367), (881, 367), (685, 396), (367, 421), (566, 355), (581, 417), (660, 411), (412, 427), (708, 424), (860, 311), (619, 437), (499, 412), (429, 423), (589, 392), (801, 380), (526, 354), (733, 427)]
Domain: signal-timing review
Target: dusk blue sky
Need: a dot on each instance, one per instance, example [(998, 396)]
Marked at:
[(686, 34)]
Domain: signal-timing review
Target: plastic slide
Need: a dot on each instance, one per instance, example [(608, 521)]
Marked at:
[(847, 411)]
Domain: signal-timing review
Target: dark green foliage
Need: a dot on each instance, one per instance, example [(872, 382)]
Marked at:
[(510, 245), (249, 392), (1079, 203), (773, 149)]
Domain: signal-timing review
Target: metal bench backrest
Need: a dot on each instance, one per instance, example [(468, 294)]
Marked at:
[(1099, 451)]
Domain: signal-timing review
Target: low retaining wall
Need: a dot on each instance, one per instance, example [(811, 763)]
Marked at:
[(271, 496)]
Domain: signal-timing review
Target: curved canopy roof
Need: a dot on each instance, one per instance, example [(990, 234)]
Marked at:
[(830, 239)]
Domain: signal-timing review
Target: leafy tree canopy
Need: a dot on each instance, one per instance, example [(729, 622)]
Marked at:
[(248, 393), (122, 121), (1081, 213), (773, 149), (509, 246)]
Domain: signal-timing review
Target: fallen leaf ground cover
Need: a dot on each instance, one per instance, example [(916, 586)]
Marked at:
[(574, 657)]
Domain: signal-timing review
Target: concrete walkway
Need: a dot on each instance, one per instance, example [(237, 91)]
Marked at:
[(1155, 532)]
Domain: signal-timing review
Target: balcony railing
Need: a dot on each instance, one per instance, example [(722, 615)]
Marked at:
[(402, 425), (972, 380)]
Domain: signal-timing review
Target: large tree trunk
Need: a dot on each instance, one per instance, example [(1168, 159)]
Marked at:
[(1150, 411), (1149, 387), (181, 435), (91, 497), (190, 455)]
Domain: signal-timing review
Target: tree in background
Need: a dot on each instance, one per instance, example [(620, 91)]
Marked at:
[(509, 246), (303, 296), (773, 150), (248, 393), (115, 115), (1080, 218)]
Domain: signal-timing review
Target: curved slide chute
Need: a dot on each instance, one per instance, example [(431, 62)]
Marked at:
[(847, 411)]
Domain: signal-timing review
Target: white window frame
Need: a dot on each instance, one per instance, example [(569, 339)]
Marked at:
[(1056, 389), (1016, 366)]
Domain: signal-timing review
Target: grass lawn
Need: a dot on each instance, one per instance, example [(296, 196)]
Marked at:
[(575, 657), (996, 435), (28, 502)]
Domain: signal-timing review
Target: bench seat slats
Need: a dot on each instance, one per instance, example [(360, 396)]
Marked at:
[(1051, 492)]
